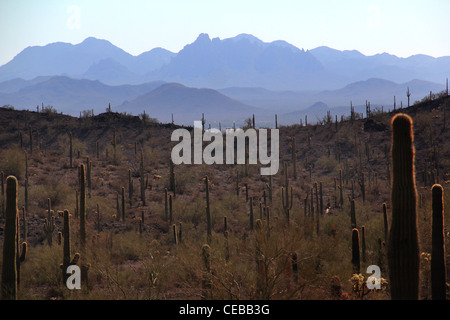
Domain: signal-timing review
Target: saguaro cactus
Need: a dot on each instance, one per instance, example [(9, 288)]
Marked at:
[(341, 191), (130, 188), (206, 281), (438, 273), (66, 247), (123, 204), (49, 224), (251, 214), (353, 213), (386, 223), (114, 144), (82, 208), (11, 258), (71, 150), (403, 244), (356, 262), (172, 184), (286, 201), (166, 205), (208, 212), (141, 179)]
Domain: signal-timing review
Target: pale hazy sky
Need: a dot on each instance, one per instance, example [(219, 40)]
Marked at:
[(400, 27)]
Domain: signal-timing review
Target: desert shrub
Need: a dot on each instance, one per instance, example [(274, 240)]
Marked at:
[(59, 193), (8, 138), (41, 269), (12, 162), (50, 110), (327, 164), (64, 145)]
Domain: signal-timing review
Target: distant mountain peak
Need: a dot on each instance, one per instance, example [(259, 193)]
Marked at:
[(203, 37), (91, 39), (247, 36)]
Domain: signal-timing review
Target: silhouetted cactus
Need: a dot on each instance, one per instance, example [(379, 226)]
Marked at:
[(363, 243), (49, 227), (227, 246), (237, 183), (99, 228), (11, 255), (208, 212), (82, 180), (26, 182), (352, 213), (2, 189), (66, 247), (285, 199), (114, 144), (49, 224), (172, 185), (170, 208), (362, 185), (321, 198), (294, 263), (438, 272), (175, 235), (269, 187), (294, 158), (251, 214), (141, 179), (71, 150), (25, 224), (403, 245), (206, 280), (341, 191), (123, 204), (30, 131), (386, 223), (166, 205), (355, 251), (130, 188), (225, 224)]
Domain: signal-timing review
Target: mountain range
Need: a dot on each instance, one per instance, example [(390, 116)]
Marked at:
[(241, 75)]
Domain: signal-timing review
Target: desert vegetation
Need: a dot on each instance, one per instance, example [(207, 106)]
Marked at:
[(100, 192)]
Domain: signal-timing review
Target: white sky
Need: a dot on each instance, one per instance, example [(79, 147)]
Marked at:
[(400, 27)]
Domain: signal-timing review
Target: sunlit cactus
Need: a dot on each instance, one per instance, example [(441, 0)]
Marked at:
[(438, 272), (403, 244)]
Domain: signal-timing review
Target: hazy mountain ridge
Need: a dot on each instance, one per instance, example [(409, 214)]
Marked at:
[(160, 99), (240, 61), (247, 75), (187, 105), (245, 61), (71, 96), (74, 60), (355, 66)]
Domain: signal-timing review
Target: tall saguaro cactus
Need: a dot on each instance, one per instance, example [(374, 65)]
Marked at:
[(356, 262), (9, 272), (403, 244), (82, 208), (84, 266), (11, 255), (66, 247), (208, 212), (49, 224), (71, 149), (286, 201), (438, 272)]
